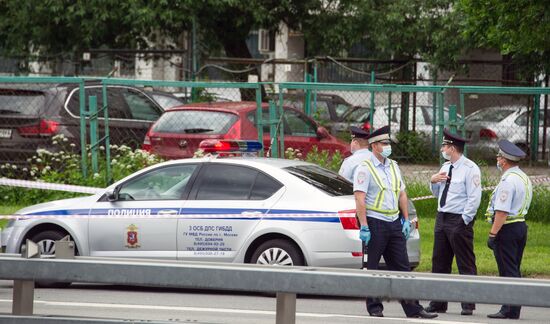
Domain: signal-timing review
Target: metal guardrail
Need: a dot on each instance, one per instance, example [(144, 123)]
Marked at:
[(286, 282)]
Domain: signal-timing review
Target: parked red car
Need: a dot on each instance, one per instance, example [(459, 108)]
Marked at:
[(178, 132)]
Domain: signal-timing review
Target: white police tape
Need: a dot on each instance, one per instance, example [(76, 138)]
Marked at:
[(534, 180), (48, 186)]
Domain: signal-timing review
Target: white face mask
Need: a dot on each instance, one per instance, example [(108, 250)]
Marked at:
[(445, 156), (386, 151), (499, 167)]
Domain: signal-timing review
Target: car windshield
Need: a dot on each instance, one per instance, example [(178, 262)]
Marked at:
[(495, 114), (195, 121), (358, 114), (322, 179), (21, 102)]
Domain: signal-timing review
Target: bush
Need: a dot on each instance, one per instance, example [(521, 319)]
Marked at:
[(413, 146), (322, 158)]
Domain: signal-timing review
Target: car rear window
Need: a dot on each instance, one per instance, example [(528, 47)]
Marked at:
[(21, 102), (195, 122), (322, 179)]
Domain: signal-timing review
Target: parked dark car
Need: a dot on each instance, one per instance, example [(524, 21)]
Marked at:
[(330, 109), (179, 130), (30, 115)]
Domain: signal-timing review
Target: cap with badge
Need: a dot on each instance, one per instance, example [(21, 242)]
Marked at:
[(453, 139), (510, 151), (381, 134), (357, 132)]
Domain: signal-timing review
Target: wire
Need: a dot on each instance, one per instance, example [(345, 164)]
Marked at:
[(368, 73)]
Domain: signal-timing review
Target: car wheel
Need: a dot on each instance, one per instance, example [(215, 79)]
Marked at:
[(46, 244), (278, 252)]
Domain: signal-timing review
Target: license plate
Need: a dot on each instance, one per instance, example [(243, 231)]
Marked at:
[(5, 133)]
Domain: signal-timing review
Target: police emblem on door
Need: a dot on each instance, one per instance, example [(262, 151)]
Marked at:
[(132, 240)]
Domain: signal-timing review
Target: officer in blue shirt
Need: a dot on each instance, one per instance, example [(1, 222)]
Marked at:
[(508, 206), (360, 152), (458, 188), (379, 196)]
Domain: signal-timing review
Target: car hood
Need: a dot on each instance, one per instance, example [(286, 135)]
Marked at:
[(64, 204)]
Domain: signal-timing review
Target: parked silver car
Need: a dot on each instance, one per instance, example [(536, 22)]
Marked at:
[(488, 125)]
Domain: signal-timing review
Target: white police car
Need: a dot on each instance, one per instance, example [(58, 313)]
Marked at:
[(255, 210)]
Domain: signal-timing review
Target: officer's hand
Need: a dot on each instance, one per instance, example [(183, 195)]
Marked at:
[(491, 242), (439, 177), (364, 234), (406, 229)]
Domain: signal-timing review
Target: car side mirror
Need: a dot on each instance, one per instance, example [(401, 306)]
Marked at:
[(322, 132), (112, 195)]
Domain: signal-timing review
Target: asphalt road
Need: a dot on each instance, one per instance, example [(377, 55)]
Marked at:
[(194, 306)]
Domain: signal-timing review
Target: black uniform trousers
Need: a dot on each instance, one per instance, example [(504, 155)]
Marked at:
[(509, 245), (387, 240), (453, 238)]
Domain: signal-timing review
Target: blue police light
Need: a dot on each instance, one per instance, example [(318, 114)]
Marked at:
[(230, 146)]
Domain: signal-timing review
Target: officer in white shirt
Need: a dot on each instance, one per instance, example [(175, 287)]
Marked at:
[(379, 196), (458, 188), (360, 152), (508, 206)]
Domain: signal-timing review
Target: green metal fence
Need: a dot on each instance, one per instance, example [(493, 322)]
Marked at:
[(101, 117)]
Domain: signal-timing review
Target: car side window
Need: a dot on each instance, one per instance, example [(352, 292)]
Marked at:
[(298, 125), (117, 106), (141, 107), (168, 183), (226, 182), (322, 110), (264, 187)]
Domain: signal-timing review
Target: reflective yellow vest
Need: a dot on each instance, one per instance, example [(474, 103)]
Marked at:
[(520, 217), (379, 199)]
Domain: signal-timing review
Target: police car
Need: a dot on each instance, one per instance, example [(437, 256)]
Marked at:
[(236, 209)]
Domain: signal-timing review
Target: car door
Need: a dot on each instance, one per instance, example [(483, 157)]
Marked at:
[(130, 112), (142, 221), (225, 205)]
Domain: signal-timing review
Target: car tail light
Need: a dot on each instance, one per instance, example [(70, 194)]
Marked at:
[(348, 220), (487, 133), (146, 146), (44, 128)]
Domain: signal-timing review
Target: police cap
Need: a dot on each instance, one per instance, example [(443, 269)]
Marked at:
[(510, 151), (450, 138), (357, 132), (381, 134)]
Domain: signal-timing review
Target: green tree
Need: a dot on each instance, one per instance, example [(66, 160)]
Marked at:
[(519, 29)]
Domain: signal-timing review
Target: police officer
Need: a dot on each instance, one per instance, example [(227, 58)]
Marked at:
[(360, 152), (379, 194), (457, 186), (507, 208)]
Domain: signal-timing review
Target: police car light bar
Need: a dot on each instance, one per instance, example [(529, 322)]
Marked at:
[(229, 146)]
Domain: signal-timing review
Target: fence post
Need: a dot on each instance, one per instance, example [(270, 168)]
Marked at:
[(23, 290), (535, 130), (372, 93), (286, 308), (93, 132), (259, 117), (108, 176), (273, 123), (83, 115)]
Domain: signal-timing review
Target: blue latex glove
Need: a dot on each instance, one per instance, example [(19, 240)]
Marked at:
[(406, 229), (364, 234)]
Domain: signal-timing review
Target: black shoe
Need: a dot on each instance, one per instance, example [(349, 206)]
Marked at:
[(377, 314), (424, 314), (432, 309), (466, 312), (499, 315)]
